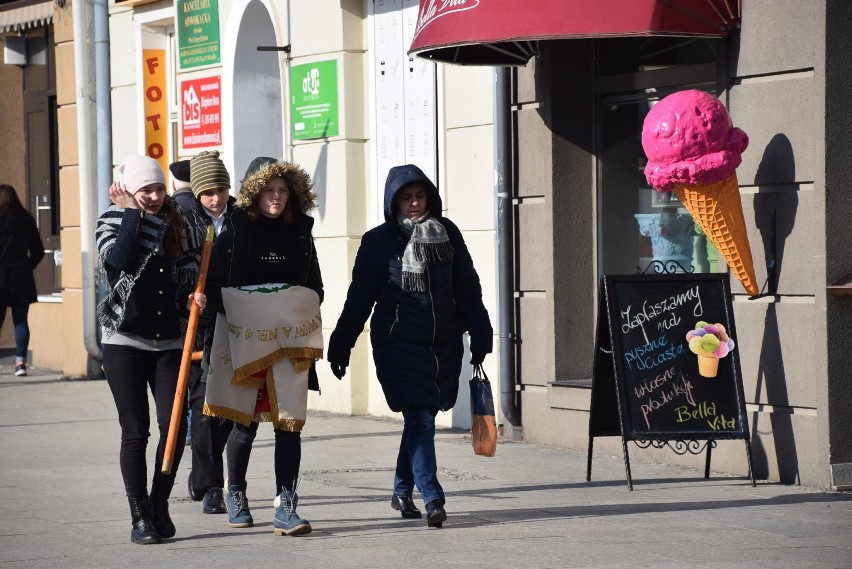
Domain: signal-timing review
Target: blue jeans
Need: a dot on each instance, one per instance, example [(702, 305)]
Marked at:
[(22, 329), (416, 462)]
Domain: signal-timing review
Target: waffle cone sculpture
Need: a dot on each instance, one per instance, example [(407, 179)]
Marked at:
[(693, 150), (718, 210)]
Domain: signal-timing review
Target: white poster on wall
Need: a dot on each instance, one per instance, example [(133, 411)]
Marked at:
[(420, 93), (406, 127)]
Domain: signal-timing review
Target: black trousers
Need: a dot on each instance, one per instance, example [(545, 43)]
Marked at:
[(288, 456), (130, 372), (209, 435)]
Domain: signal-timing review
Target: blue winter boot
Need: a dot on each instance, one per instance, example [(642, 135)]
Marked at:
[(239, 515), (287, 521)]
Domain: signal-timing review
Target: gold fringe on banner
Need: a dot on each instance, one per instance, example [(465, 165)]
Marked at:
[(282, 423), (227, 413), (301, 364), (292, 354)]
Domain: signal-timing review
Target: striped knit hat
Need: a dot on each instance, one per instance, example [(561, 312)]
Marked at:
[(207, 172)]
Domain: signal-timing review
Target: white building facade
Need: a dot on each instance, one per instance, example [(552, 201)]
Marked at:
[(328, 85)]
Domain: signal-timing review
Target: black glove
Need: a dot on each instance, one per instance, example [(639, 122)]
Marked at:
[(338, 370), (476, 358)]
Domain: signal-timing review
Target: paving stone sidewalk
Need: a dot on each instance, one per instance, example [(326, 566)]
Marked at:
[(62, 503)]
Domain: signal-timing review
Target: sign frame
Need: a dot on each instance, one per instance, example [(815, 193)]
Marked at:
[(315, 100), (205, 120), (155, 105), (196, 23), (613, 405)]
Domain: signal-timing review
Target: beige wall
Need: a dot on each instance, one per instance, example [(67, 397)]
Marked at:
[(783, 169), (56, 340), (57, 331)]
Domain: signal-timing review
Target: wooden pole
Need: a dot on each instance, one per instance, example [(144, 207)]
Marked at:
[(179, 408)]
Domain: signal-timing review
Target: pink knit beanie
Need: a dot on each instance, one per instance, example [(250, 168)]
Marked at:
[(140, 171)]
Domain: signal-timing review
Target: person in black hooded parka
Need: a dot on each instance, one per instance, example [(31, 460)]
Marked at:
[(417, 272)]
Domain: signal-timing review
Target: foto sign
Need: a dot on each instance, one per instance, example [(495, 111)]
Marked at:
[(197, 23), (201, 112), (313, 100), (156, 109)]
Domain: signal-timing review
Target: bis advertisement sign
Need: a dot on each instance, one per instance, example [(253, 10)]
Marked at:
[(201, 116)]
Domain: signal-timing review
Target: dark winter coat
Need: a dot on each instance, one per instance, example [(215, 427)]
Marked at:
[(416, 336), (146, 290), (21, 251), (197, 222), (229, 261), (230, 257)]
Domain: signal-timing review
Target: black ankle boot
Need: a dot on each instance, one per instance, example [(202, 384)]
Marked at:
[(160, 516), (405, 505), (161, 488), (435, 513), (143, 531)]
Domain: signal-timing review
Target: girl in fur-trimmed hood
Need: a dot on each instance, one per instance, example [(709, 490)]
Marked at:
[(302, 197), (268, 243)]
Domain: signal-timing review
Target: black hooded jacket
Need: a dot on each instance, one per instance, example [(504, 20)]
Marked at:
[(416, 336), (229, 261)]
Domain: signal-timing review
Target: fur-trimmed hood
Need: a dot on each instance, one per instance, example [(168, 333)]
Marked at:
[(298, 181)]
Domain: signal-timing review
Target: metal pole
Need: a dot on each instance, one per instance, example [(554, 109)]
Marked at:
[(509, 403)]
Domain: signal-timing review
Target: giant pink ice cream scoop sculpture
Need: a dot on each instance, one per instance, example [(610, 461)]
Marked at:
[(693, 149)]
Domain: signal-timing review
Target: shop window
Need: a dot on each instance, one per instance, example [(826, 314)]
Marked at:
[(639, 225)]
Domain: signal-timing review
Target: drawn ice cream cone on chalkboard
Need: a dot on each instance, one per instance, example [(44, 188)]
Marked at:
[(693, 150), (709, 342)]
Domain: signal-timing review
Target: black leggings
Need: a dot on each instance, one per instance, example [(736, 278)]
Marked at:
[(288, 456), (129, 372)]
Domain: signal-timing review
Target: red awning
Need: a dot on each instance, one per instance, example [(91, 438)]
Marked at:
[(505, 32)]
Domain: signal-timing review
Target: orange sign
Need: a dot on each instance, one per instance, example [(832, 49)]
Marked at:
[(156, 107)]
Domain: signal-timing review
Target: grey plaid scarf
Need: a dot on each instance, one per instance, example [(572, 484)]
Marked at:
[(428, 242), (120, 284)]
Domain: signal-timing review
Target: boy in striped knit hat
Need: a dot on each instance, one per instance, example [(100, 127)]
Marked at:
[(209, 203)]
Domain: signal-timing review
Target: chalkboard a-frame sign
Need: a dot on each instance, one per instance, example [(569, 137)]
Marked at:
[(646, 385)]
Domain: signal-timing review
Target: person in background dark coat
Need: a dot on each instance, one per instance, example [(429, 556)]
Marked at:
[(21, 251), (418, 274), (204, 202)]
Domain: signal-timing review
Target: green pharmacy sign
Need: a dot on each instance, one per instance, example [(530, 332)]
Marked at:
[(197, 22), (313, 100)]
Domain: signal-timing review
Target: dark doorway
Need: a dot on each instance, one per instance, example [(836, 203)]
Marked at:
[(42, 151)]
